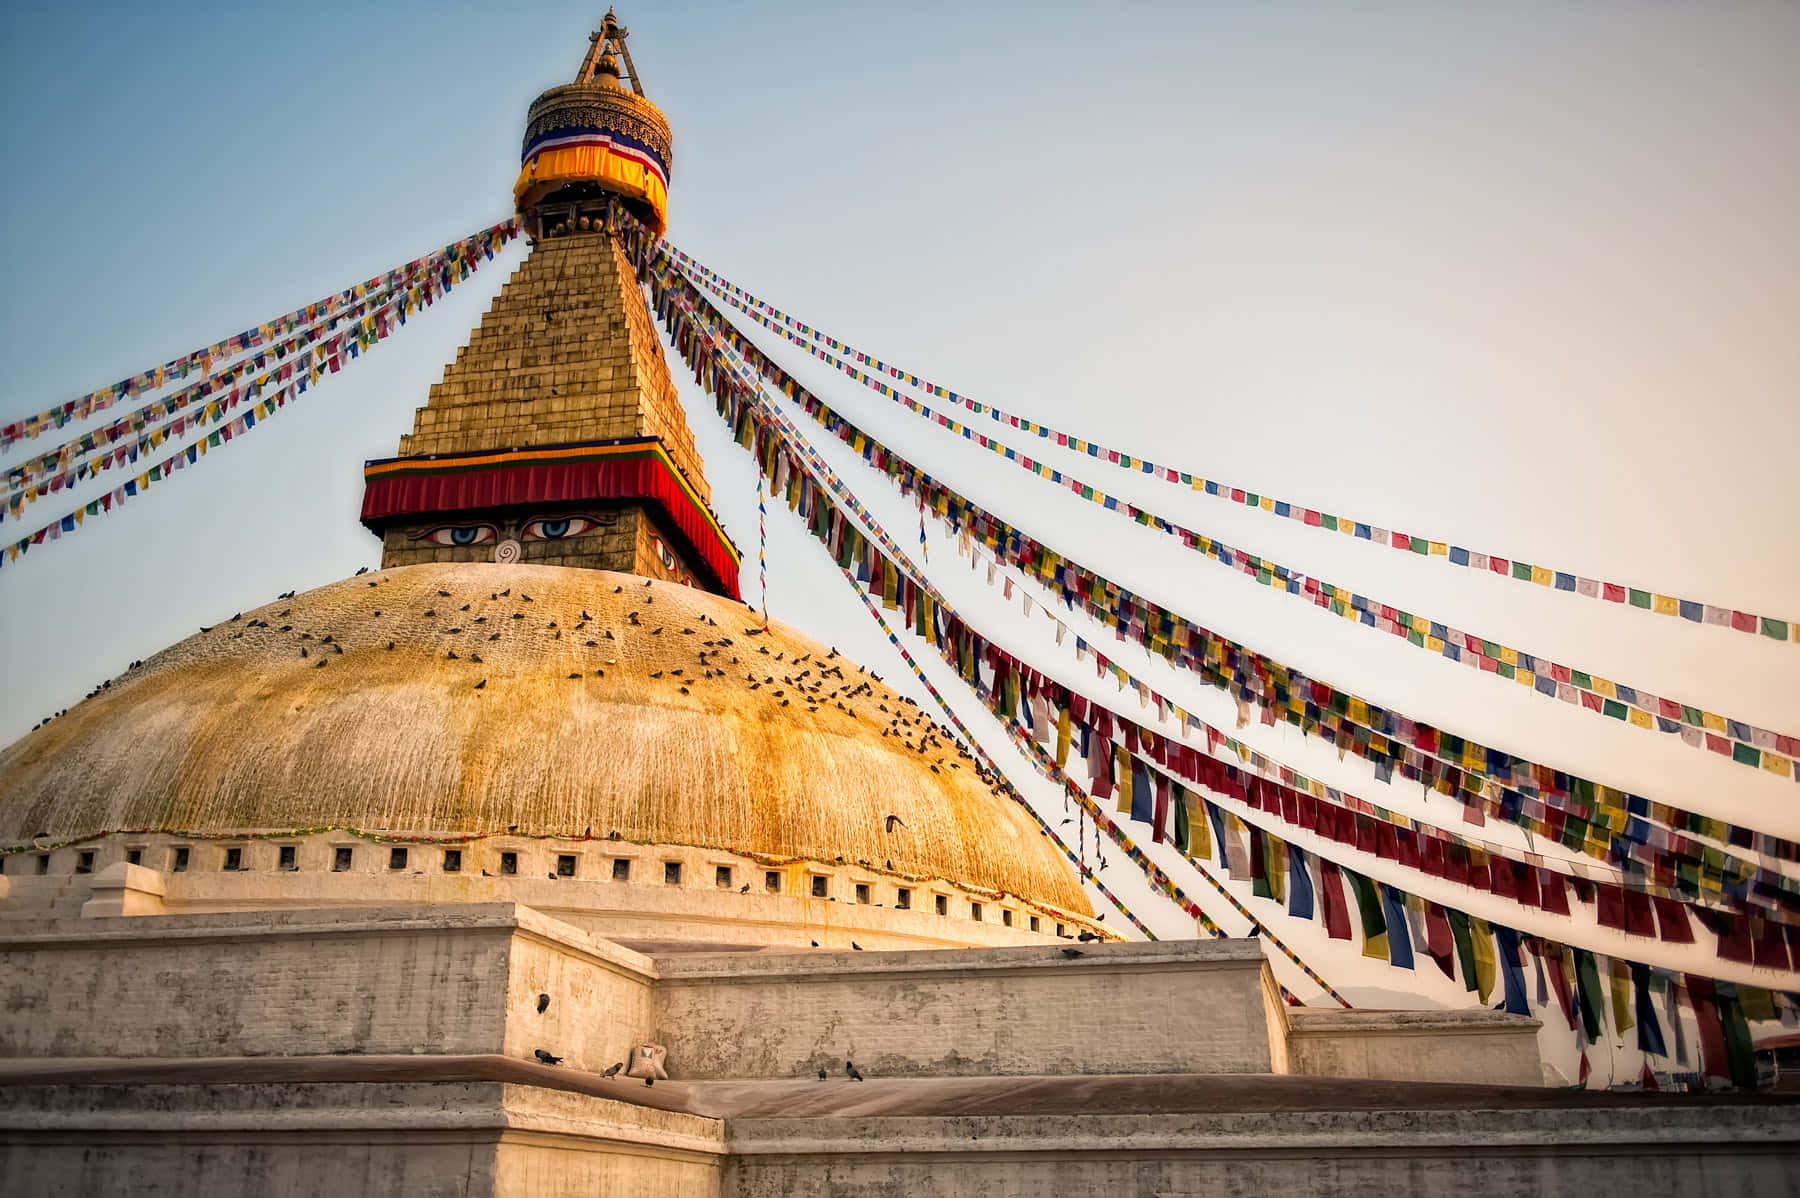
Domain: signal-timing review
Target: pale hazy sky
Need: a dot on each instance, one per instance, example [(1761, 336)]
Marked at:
[(1522, 277)]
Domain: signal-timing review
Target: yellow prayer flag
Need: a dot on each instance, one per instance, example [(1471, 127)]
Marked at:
[(1509, 655), (1199, 828), (1268, 503), (1778, 765), (1621, 997), (1481, 939), (1604, 686), (1542, 576), (1421, 624), (1434, 644), (1640, 717), (1525, 678), (1665, 605), (1439, 549), (1714, 723)]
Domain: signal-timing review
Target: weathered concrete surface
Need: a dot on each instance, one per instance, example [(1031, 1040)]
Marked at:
[(1240, 1136), (402, 980), (1490, 1047), (1168, 1007), (491, 1125), (245, 1136)]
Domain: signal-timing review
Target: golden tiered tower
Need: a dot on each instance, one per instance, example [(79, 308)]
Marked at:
[(556, 436)]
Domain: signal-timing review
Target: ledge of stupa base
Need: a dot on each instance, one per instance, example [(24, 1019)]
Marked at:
[(469, 978), (481, 1125)]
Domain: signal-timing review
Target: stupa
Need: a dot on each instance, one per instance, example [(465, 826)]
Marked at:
[(365, 889)]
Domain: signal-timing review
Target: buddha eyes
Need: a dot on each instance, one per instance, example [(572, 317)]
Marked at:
[(542, 528), (456, 535), (556, 528)]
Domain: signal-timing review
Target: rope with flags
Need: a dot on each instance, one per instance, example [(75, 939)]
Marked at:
[(1490, 564), (1392, 921), (741, 406), (1602, 822), (1538, 673), (313, 363), (202, 359)]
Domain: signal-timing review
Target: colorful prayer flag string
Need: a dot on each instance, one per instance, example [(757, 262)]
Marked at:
[(370, 331), (1600, 821), (201, 359), (1696, 727), (1691, 610)]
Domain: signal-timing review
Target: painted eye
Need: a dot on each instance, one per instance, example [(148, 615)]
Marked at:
[(455, 535), (662, 551), (555, 529)]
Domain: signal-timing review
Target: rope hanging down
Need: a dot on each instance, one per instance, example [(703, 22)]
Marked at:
[(1603, 822), (373, 329), (1551, 679), (717, 375), (1691, 610), (789, 438), (1476, 951)]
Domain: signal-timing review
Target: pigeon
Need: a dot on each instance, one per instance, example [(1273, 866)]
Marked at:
[(851, 1070), (892, 822), (547, 1059), (613, 1069), (543, 1003), (481, 684), (649, 1081), (823, 1075), (744, 889), (1086, 936), (1072, 953), (856, 946), (815, 944)]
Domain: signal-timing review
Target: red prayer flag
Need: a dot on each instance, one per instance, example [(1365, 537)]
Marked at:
[(1440, 944), (1612, 907), (1771, 949), (1551, 894), (1638, 921), (1331, 893), (1734, 937), (1713, 1056)]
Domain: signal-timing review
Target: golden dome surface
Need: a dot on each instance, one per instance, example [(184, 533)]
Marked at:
[(464, 698)]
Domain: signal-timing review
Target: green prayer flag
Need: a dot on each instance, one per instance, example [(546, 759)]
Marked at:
[(1775, 628), (1639, 598), (1587, 988), (1179, 800), (1465, 948), (1737, 1040), (1374, 924)]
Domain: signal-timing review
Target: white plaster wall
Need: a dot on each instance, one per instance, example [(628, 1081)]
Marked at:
[(1476, 1047), (1191, 1007), (644, 908), (443, 980)]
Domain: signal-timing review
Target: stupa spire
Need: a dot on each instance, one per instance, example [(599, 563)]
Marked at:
[(556, 436)]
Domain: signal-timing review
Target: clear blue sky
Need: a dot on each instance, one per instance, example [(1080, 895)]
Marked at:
[(1525, 277)]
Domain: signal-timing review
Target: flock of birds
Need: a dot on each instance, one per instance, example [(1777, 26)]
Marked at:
[(803, 679)]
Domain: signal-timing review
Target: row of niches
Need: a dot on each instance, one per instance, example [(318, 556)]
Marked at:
[(603, 862)]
